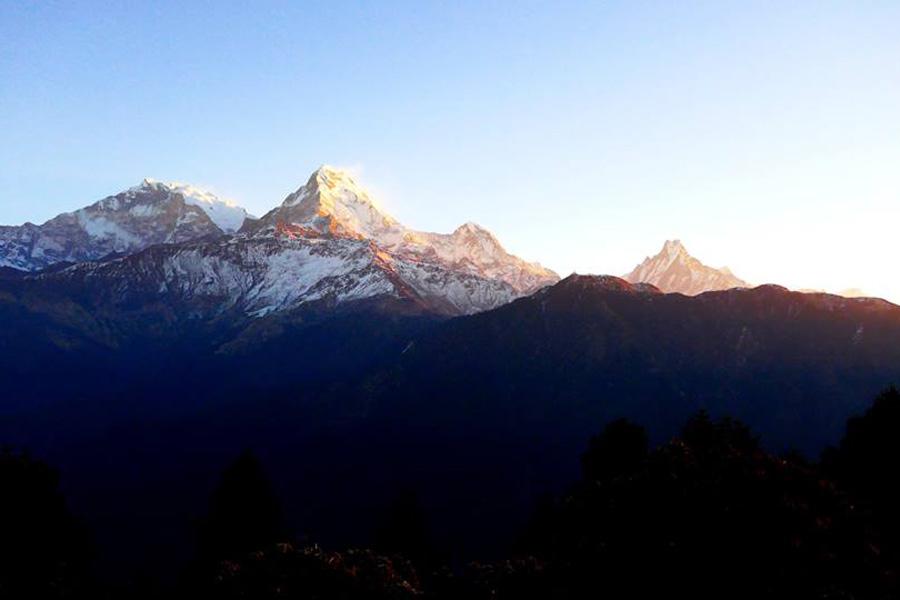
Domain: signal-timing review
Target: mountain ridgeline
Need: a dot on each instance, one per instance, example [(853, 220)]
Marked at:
[(327, 243), (166, 331), (786, 362), (351, 403)]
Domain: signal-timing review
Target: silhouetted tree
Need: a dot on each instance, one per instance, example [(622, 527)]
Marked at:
[(244, 517), (619, 450), (709, 515), (867, 463), (44, 552), (244, 514)]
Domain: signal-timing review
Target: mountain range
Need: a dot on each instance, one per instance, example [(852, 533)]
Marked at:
[(326, 243), (150, 337)]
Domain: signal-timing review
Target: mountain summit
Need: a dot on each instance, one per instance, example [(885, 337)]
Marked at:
[(147, 214), (226, 214), (326, 244), (673, 269), (332, 204)]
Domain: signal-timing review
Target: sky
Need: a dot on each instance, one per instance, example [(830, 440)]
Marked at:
[(764, 135)]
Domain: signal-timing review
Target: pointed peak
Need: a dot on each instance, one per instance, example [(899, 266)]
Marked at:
[(471, 227), (673, 269), (331, 181), (330, 177), (332, 172), (473, 233), (674, 247), (148, 183), (225, 213), (332, 201)]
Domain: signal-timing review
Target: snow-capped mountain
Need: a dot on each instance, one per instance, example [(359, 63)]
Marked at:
[(329, 243), (673, 269), (332, 203), (147, 214), (853, 293), (846, 292), (226, 214)]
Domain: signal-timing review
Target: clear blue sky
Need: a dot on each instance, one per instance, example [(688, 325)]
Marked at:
[(765, 135)]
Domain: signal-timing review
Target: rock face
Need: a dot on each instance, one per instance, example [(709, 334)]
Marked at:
[(145, 215), (675, 270), (327, 243)]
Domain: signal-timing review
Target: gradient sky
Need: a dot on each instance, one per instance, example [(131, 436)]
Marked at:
[(765, 135)]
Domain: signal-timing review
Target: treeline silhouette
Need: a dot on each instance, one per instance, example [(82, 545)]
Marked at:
[(709, 514), (44, 551)]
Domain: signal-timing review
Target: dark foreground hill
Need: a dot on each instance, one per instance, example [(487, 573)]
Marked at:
[(709, 514), (141, 406), (590, 349)]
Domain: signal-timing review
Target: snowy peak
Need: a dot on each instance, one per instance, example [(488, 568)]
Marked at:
[(673, 269), (475, 250), (225, 213), (329, 186), (147, 214), (333, 205), (331, 202), (477, 240), (472, 230), (674, 249), (327, 242)]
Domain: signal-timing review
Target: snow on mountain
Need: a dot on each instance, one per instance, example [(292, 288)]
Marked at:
[(332, 203), (673, 269), (147, 214), (226, 214), (328, 243), (254, 276)]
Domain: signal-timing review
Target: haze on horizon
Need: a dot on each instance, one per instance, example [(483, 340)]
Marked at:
[(765, 136)]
